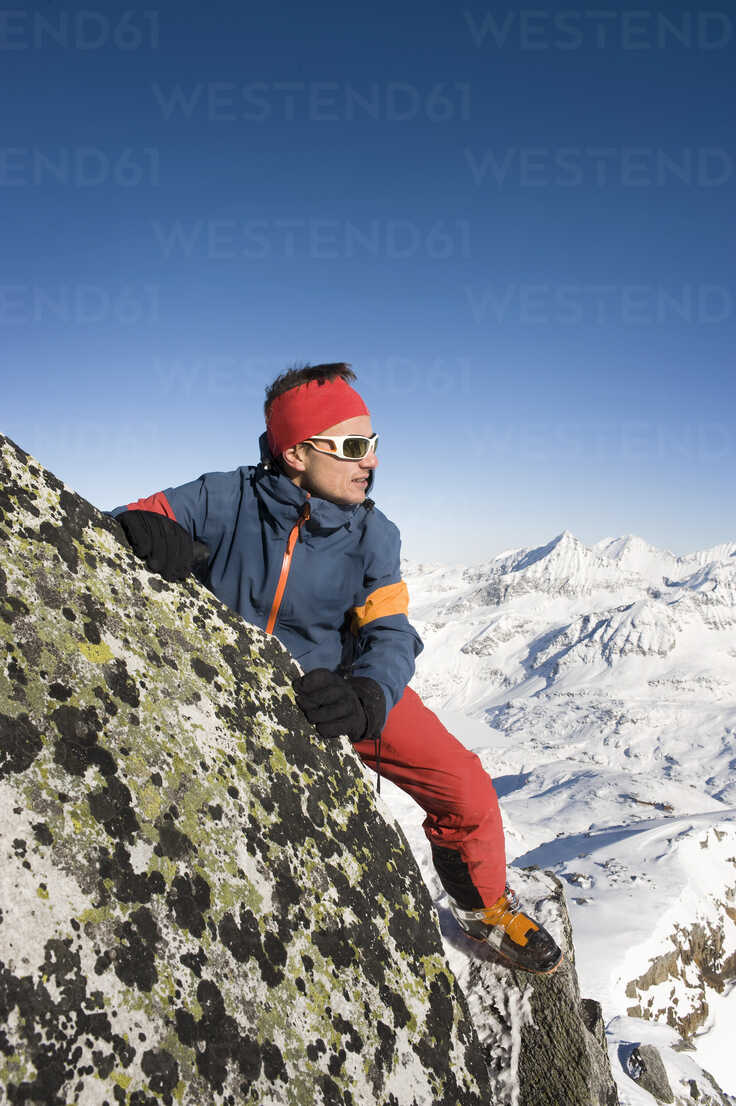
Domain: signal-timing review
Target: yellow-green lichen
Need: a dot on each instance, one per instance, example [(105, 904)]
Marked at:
[(95, 654)]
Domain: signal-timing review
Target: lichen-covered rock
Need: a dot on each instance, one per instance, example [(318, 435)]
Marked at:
[(200, 900), (543, 1045)]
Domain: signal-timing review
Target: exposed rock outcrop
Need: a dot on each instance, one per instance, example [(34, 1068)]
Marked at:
[(663, 1064), (674, 989), (200, 901), (646, 1068), (543, 1045)]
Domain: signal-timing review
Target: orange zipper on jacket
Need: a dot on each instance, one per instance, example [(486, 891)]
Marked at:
[(285, 567)]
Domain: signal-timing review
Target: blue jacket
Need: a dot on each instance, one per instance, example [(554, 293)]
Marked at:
[(344, 603)]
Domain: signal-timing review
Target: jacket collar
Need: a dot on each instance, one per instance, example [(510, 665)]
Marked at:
[(284, 501)]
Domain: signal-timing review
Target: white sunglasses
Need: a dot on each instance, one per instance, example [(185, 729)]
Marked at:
[(348, 447)]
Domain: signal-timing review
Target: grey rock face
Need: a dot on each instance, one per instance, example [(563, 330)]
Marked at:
[(646, 1068), (545, 1047), (200, 901)]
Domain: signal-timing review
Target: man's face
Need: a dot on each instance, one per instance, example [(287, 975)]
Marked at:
[(329, 477)]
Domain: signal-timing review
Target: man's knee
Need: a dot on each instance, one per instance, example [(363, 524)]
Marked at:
[(477, 793)]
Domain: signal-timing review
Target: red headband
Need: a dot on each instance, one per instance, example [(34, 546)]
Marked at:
[(305, 411)]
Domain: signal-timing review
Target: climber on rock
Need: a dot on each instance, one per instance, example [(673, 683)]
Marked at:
[(298, 548)]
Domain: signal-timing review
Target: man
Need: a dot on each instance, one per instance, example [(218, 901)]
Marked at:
[(297, 547)]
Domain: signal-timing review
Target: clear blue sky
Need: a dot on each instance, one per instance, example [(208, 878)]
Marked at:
[(516, 223)]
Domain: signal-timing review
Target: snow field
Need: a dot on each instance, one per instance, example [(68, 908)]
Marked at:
[(598, 686)]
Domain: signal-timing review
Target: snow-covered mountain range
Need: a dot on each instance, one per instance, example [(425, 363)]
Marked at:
[(598, 685)]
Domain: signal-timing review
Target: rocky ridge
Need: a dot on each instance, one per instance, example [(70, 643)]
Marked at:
[(200, 902)]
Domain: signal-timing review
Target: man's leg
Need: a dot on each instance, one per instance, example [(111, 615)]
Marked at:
[(463, 821), (464, 827)]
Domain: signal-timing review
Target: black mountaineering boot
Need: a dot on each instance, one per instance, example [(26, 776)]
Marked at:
[(519, 940)]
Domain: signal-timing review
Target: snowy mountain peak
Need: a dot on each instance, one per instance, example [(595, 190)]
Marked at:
[(579, 579), (598, 686), (564, 545), (564, 566), (634, 555), (616, 548), (539, 621)]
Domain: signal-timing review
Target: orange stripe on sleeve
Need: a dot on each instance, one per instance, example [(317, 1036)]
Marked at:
[(385, 601)]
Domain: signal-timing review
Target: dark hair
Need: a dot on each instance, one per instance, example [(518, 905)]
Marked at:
[(295, 376)]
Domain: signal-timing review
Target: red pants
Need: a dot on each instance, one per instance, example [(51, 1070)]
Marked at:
[(463, 821)]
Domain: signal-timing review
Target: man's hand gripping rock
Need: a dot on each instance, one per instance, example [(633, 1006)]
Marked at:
[(351, 705)]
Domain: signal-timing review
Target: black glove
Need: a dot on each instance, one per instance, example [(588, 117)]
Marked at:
[(163, 544), (352, 705)]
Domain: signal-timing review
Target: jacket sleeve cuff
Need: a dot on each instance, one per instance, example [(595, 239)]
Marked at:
[(373, 701)]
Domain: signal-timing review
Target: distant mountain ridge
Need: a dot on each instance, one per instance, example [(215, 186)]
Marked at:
[(531, 618), (598, 684)]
